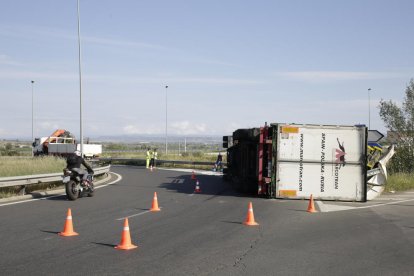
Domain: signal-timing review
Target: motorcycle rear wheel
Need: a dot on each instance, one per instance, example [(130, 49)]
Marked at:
[(92, 190), (72, 190)]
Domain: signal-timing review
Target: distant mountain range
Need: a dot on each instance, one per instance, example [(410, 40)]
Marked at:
[(158, 139)]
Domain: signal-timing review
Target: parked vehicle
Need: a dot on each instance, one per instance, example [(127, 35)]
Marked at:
[(62, 143), (74, 185)]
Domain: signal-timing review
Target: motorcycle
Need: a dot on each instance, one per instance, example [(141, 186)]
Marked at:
[(75, 187)]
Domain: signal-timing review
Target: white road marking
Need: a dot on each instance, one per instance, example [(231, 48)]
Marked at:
[(135, 215), (333, 208)]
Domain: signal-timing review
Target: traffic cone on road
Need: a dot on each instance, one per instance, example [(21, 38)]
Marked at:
[(68, 229), (126, 238), (197, 187), (151, 168), (311, 205), (154, 207), (193, 176), (250, 216)]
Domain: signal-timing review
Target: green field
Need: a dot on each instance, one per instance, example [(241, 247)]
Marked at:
[(16, 166)]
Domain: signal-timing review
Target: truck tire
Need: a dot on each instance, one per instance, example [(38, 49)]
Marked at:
[(72, 190)]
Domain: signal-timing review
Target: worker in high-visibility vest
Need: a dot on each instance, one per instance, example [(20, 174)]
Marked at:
[(148, 157), (155, 156)]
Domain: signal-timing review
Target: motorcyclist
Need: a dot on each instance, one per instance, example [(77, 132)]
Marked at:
[(74, 162)]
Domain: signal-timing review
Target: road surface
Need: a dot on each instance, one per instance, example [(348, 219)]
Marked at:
[(203, 234)]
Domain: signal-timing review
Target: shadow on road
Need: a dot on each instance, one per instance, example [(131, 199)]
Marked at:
[(208, 184), (105, 244), (233, 222), (50, 232)]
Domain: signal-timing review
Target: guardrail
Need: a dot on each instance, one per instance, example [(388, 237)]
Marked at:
[(41, 178)]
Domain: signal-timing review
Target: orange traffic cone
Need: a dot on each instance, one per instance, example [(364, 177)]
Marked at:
[(126, 238), (250, 216), (193, 175), (197, 187), (311, 206), (151, 168), (68, 229), (154, 207)]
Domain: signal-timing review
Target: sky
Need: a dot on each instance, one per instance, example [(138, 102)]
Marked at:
[(227, 64)]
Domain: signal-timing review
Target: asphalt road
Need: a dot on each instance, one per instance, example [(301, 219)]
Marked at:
[(203, 234)]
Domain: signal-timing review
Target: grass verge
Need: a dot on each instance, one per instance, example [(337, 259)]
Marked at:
[(17, 166), (400, 182)]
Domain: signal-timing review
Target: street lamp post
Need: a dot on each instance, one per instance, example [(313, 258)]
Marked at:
[(32, 117), (369, 108), (80, 84), (166, 120)]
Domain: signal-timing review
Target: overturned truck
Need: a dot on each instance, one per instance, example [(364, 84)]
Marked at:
[(296, 160)]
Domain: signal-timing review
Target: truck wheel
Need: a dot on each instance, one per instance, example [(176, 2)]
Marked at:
[(72, 190)]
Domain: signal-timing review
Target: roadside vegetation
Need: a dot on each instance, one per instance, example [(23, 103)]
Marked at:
[(400, 182), (399, 120), (16, 166)]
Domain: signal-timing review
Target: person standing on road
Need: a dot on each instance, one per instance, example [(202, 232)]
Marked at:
[(152, 159), (155, 154), (148, 158)]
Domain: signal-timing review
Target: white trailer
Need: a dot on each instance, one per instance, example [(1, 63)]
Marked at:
[(91, 150), (328, 162)]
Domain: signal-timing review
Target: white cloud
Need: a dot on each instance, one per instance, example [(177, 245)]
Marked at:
[(62, 76), (119, 42), (187, 128), (48, 125), (130, 129), (134, 129), (329, 76), (25, 32), (6, 60), (21, 74)]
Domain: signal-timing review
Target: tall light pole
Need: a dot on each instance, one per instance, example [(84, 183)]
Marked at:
[(80, 84), (32, 116), (369, 108), (166, 120)]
